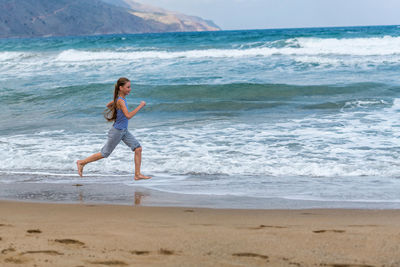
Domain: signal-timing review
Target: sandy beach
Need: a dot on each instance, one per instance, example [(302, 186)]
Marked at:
[(46, 234), (267, 147)]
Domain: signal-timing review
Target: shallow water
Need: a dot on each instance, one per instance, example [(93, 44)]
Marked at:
[(306, 114)]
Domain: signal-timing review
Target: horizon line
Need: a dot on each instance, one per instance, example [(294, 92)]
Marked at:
[(311, 27), (183, 32)]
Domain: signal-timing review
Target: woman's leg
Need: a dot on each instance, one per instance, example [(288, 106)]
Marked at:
[(114, 137), (138, 162), (82, 163), (131, 141)]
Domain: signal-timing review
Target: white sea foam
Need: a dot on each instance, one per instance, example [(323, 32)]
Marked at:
[(76, 55), (303, 46), (15, 56), (387, 45), (9, 55), (375, 46), (320, 157), (263, 63), (364, 103), (349, 143), (341, 61)]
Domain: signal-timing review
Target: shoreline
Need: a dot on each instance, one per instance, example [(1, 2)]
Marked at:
[(120, 194), (48, 234)]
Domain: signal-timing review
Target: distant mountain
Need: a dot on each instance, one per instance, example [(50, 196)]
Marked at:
[(41, 18), (183, 22)]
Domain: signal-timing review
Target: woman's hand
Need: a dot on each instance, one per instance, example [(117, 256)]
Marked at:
[(110, 104), (128, 114)]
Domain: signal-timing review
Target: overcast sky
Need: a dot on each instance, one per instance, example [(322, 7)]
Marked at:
[(264, 14)]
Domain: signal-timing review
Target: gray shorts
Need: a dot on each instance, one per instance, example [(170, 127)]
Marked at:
[(114, 137)]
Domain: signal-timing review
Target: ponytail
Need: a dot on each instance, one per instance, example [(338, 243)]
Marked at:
[(110, 114)]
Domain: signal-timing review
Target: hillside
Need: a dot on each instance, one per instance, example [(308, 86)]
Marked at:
[(181, 21), (41, 18)]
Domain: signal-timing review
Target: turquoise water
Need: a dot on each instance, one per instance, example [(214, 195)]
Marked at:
[(289, 113)]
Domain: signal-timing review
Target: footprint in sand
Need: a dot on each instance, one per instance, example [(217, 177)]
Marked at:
[(166, 251), (188, 210), (291, 262), (324, 231), (7, 250), (49, 252), (261, 226), (269, 226), (15, 260), (250, 254), (140, 252), (34, 231), (69, 242)]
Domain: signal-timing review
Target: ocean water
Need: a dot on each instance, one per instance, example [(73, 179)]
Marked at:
[(303, 114)]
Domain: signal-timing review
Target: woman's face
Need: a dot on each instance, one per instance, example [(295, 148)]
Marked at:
[(126, 88)]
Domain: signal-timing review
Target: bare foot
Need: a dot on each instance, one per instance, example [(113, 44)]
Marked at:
[(80, 167), (141, 176)]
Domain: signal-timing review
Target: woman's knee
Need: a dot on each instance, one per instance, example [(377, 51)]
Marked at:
[(138, 149), (104, 152)]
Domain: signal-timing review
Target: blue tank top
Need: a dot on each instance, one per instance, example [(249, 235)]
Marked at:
[(121, 122)]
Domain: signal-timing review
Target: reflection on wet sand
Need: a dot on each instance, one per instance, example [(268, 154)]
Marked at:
[(138, 197)]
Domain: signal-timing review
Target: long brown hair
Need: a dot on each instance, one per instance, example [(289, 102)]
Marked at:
[(111, 113)]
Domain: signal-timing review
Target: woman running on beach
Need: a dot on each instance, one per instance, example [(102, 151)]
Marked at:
[(118, 112)]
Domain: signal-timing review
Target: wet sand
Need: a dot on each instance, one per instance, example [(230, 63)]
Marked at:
[(120, 194), (45, 234)]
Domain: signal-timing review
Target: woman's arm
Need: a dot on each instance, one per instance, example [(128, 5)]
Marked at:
[(109, 105), (124, 109)]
